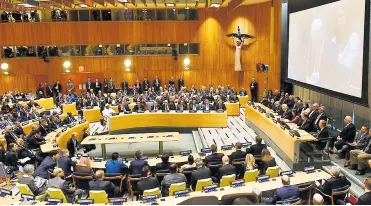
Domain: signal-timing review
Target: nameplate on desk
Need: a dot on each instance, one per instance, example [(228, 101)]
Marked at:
[(131, 137), (289, 173), (179, 111), (98, 159), (309, 169), (64, 128), (165, 111), (291, 133), (237, 183), (115, 114), (140, 111), (206, 150), (210, 188), (89, 107), (206, 111), (153, 111), (253, 106), (259, 108), (27, 197), (170, 135), (249, 103), (82, 121), (85, 201), (274, 121), (181, 193), (92, 139), (54, 201), (24, 123), (117, 201), (112, 138), (227, 147), (267, 115), (283, 127), (5, 192), (185, 153), (246, 144), (128, 112), (151, 136), (192, 111), (150, 198), (220, 111), (263, 178)]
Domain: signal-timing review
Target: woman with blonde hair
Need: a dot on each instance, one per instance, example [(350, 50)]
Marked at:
[(249, 165), (267, 161)]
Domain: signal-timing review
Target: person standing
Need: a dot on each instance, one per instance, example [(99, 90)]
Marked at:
[(70, 87), (145, 84), (57, 88), (254, 90), (180, 83)]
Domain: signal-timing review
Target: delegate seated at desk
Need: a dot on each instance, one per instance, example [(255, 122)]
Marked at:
[(100, 184), (193, 106), (214, 157), (256, 149), (139, 107), (226, 169), (201, 173)]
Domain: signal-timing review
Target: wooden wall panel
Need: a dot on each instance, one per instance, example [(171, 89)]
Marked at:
[(214, 65)]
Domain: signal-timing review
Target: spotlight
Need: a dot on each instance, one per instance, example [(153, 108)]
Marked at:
[(4, 66), (215, 5), (127, 63), (6, 73), (170, 4), (128, 69), (66, 64), (187, 7), (68, 71), (186, 61)]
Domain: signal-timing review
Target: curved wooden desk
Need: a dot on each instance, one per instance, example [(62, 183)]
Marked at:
[(63, 137), (284, 144), (94, 115), (170, 119)]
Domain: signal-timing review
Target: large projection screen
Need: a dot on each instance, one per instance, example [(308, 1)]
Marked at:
[(326, 46)]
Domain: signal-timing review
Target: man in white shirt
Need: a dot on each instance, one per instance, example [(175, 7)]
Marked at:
[(108, 111)]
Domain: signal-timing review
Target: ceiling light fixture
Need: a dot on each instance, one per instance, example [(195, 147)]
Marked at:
[(215, 5), (170, 4)]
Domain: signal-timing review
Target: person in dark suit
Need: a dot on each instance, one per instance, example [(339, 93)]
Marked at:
[(124, 106), (18, 130), (193, 105), (365, 199), (165, 164), (145, 84), (254, 90), (362, 140), (214, 157), (180, 83), (321, 116), (73, 145), (277, 108), (287, 114), (286, 192), (47, 164), (243, 92), (69, 119), (155, 106), (226, 169), (314, 112), (220, 105), (100, 184), (89, 84), (97, 86), (137, 164), (166, 107), (59, 182), (238, 154), (256, 149), (346, 136), (148, 182), (65, 162), (44, 128), (201, 173), (35, 140), (124, 86), (139, 106), (11, 157), (307, 124), (57, 87), (207, 106), (322, 133), (156, 84), (10, 136), (49, 90), (138, 87), (335, 182)]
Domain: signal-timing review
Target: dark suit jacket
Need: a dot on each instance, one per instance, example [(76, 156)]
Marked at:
[(107, 186), (323, 134), (285, 193), (237, 155), (222, 106), (148, 183), (121, 109), (320, 116), (214, 158), (307, 125), (256, 149), (162, 166), (43, 130), (364, 199), (348, 133), (10, 138), (180, 83), (334, 183), (71, 147), (265, 164), (65, 163), (137, 165), (42, 170), (124, 85), (19, 130), (154, 83), (225, 170), (33, 142), (255, 84), (313, 115), (287, 114), (11, 159), (199, 174), (146, 85)]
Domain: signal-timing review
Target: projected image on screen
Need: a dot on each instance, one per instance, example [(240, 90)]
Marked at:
[(326, 46)]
